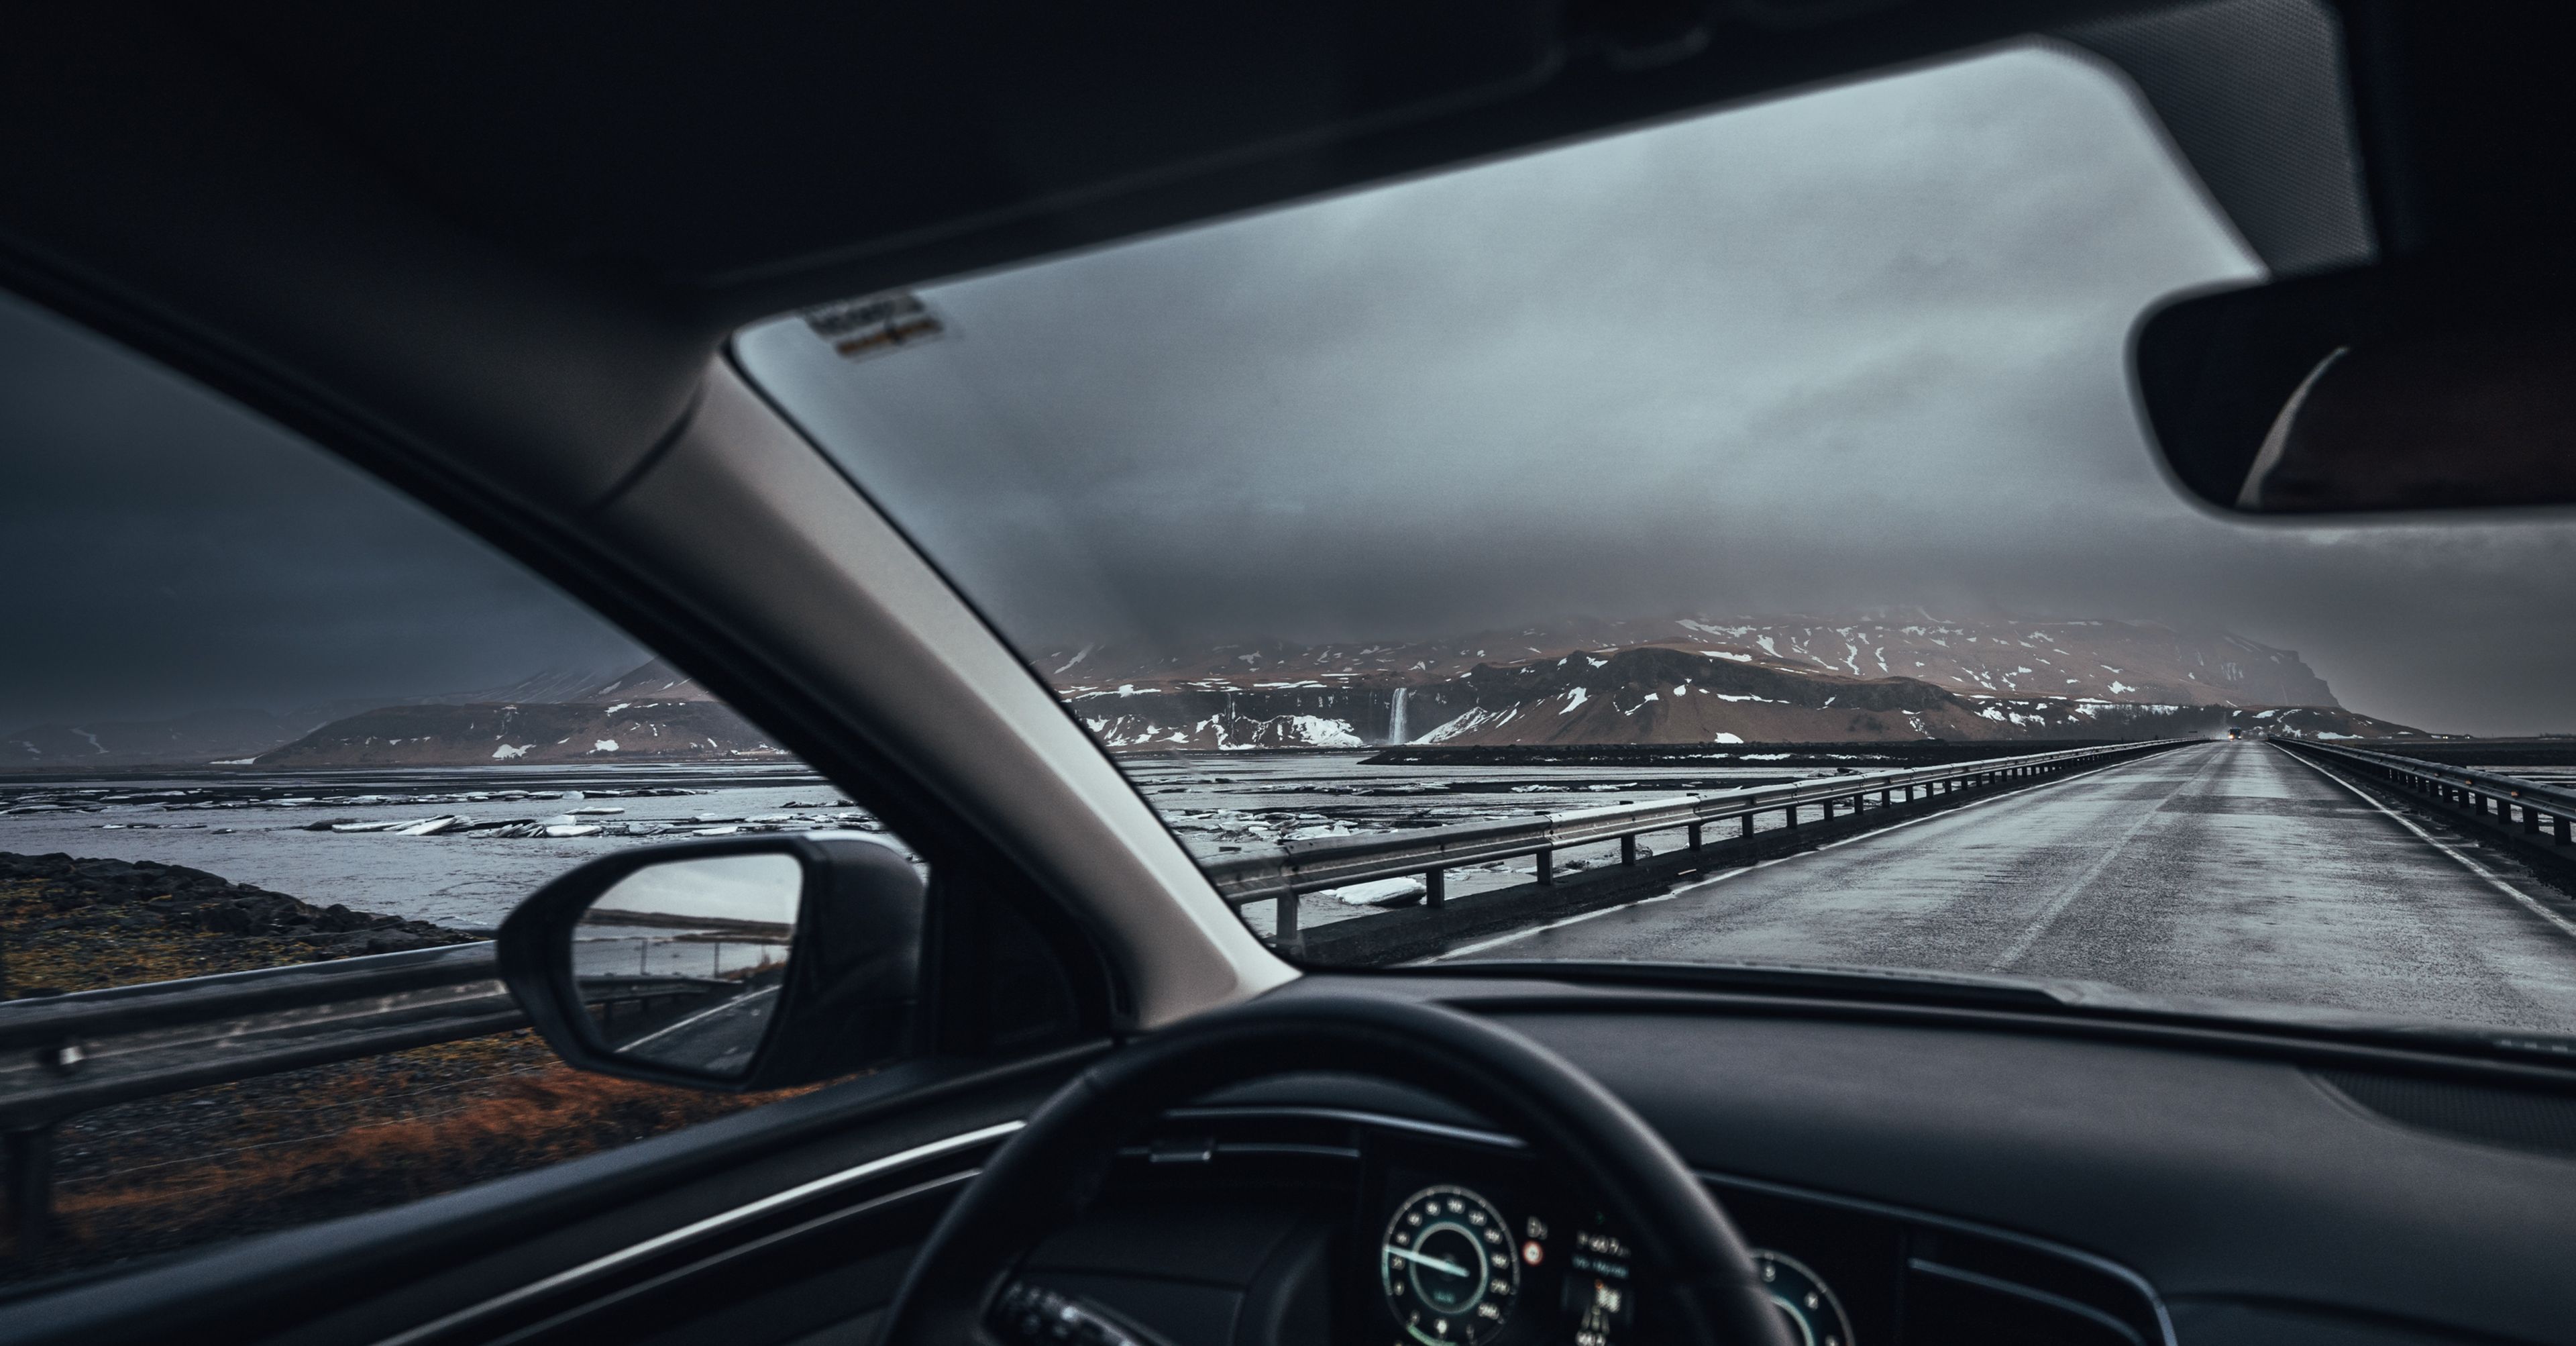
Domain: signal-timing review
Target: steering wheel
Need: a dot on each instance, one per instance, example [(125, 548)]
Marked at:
[(1051, 1169)]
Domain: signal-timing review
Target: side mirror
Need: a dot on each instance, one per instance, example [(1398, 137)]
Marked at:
[(2389, 387), (736, 963)]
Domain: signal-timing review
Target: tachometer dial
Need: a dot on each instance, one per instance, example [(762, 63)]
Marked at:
[(1808, 1305), (1449, 1268)]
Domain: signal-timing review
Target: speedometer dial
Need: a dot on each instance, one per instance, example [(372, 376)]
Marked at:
[(1448, 1267), (1806, 1303)]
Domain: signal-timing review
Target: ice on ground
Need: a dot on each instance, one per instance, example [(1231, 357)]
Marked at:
[(1377, 893)]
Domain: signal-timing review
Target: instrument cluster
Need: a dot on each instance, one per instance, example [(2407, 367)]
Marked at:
[(1497, 1255)]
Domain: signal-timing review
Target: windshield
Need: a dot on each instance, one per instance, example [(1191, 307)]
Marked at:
[(1731, 542)]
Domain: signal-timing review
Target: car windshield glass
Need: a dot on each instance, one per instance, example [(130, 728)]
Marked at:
[(1733, 542)]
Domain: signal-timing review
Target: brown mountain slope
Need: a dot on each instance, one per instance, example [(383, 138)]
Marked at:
[(479, 735)]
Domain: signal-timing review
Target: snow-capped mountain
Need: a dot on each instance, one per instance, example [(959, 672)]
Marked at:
[(653, 711), (1705, 680), (1652, 694), (2143, 662)]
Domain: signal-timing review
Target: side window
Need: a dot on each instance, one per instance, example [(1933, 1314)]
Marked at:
[(259, 710)]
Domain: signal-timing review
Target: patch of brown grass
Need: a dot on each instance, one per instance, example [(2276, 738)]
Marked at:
[(315, 1144)]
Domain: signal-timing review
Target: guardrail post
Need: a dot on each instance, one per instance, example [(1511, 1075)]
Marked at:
[(2561, 829), (1435, 886), (1827, 807), (1547, 866), (1628, 850), (1748, 824), (1883, 800), (30, 1158), (1792, 811), (2530, 819), (1694, 836), (1285, 928)]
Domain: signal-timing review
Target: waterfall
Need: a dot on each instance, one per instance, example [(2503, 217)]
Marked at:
[(1395, 720)]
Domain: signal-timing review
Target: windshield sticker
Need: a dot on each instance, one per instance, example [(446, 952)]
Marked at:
[(859, 329)]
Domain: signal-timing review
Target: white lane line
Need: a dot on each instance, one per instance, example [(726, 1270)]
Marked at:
[(2530, 903), (1714, 879), (2074, 889), (734, 1004)]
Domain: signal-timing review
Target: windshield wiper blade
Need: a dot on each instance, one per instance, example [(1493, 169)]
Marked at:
[(1923, 986), (1846, 982)]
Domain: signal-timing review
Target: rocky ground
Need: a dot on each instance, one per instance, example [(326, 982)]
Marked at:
[(164, 1174), (70, 924)]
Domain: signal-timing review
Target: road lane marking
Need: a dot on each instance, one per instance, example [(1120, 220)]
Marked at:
[(1712, 880), (2530, 903), (736, 1003), (2057, 906)]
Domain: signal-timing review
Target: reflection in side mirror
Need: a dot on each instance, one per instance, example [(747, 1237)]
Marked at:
[(2379, 388), (650, 957), (740, 963)]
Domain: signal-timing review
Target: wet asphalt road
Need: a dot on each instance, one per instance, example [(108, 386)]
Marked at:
[(2228, 871)]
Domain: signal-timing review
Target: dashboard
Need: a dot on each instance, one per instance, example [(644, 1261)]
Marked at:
[(1910, 1176), (1275, 1224)]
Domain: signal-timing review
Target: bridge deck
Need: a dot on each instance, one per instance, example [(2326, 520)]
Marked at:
[(2229, 871)]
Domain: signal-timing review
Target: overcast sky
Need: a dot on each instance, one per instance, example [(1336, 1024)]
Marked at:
[(164, 551), (1860, 348)]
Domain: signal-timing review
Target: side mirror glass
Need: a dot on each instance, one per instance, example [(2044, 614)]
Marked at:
[(2381, 388), (741, 963), (649, 959)]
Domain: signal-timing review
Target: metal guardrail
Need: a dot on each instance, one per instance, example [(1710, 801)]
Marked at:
[(1279, 874), (2487, 794), (68, 1054)]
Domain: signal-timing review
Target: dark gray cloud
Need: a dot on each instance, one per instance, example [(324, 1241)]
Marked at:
[(165, 551), (1854, 349)]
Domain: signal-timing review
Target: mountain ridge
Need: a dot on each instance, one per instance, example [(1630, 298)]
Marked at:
[(1649, 681), (2137, 661)]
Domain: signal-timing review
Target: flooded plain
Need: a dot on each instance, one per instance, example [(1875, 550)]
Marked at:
[(461, 846)]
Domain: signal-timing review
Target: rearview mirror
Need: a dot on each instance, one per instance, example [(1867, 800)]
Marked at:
[(741, 963), (2381, 388)]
